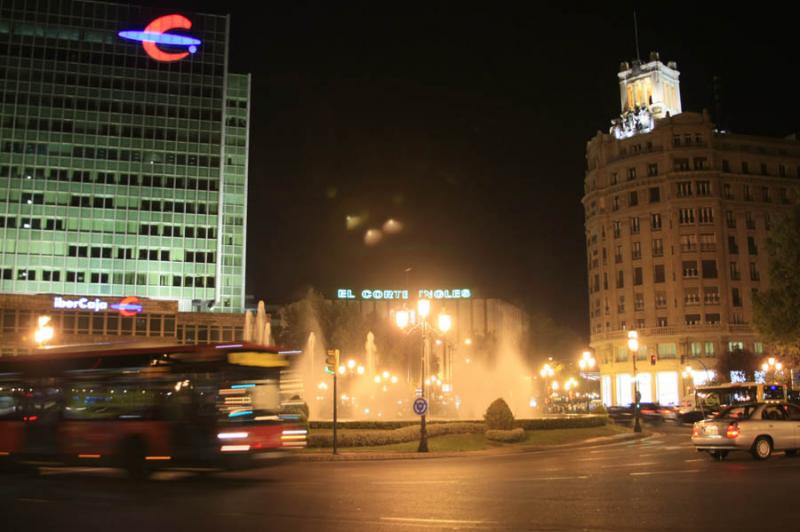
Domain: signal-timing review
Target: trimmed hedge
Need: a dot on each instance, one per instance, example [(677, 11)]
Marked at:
[(373, 437), (582, 422), (368, 425), (506, 436)]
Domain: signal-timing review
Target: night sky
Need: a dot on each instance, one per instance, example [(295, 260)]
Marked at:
[(468, 123)]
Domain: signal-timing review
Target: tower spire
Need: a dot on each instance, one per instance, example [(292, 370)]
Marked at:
[(636, 35)]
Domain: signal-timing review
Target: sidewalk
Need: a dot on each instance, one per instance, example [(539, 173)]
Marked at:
[(326, 455)]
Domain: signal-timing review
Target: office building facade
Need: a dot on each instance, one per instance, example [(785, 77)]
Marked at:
[(123, 154)]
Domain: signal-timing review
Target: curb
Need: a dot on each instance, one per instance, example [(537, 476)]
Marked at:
[(323, 456)]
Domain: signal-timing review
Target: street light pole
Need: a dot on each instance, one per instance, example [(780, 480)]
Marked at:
[(423, 431), (633, 345)]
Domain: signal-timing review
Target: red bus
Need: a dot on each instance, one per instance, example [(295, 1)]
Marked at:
[(211, 406)]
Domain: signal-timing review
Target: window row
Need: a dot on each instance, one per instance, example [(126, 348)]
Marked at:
[(112, 130), (107, 202), (109, 154), (117, 278), (98, 323), (110, 178), (141, 86)]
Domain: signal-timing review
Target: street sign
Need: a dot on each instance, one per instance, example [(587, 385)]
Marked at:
[(420, 406)]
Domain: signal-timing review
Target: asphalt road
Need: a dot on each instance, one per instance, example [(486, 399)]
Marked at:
[(659, 483)]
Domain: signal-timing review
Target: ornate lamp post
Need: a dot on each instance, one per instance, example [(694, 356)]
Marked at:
[(772, 365), (402, 319), (633, 346)]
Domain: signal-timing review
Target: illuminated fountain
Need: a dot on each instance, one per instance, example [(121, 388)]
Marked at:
[(369, 349)]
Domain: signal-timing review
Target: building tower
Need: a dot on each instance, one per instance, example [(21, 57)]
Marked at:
[(677, 215), (123, 161)]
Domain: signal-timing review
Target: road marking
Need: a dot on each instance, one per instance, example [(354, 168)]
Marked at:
[(696, 460), (435, 521), (639, 464), (647, 473), (591, 459), (413, 482), (536, 479)]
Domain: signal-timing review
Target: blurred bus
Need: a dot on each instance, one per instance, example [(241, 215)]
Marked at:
[(211, 406), (713, 397)]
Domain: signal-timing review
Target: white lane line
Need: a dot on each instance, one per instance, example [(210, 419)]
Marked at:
[(536, 479), (647, 473), (413, 482), (639, 464), (591, 459), (696, 460), (435, 521)]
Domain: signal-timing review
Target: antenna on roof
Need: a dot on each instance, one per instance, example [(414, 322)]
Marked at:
[(636, 35)]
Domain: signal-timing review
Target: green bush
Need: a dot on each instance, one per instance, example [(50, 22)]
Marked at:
[(369, 438), (576, 422), (506, 436), (498, 416)]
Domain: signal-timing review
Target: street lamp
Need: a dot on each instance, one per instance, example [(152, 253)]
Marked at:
[(774, 366), (44, 332), (402, 319), (587, 361), (633, 345)]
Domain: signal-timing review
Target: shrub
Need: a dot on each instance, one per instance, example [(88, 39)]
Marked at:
[(498, 416), (506, 436)]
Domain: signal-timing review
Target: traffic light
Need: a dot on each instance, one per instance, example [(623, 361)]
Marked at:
[(331, 361), (652, 360)]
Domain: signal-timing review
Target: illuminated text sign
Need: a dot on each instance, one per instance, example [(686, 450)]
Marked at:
[(391, 295), (127, 307), (83, 303)]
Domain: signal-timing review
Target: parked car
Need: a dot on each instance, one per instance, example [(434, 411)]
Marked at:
[(648, 412), (757, 428)]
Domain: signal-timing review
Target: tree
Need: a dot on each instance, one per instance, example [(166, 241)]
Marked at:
[(776, 311), (737, 360)]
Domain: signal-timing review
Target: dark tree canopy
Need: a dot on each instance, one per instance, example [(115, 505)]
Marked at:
[(776, 311)]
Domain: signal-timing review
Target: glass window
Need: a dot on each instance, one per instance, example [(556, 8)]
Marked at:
[(667, 388)]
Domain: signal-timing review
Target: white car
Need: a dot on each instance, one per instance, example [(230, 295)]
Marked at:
[(758, 428)]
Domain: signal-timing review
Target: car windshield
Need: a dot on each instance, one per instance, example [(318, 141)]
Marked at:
[(736, 412)]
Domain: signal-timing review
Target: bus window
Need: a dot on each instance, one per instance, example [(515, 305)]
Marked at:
[(93, 401), (774, 393), (250, 400), (13, 402)]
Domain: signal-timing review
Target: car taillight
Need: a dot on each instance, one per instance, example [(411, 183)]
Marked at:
[(733, 431), (695, 431)]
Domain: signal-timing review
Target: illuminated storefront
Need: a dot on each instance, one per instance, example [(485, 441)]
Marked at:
[(92, 320)]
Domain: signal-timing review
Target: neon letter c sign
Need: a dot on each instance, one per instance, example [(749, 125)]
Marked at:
[(155, 34)]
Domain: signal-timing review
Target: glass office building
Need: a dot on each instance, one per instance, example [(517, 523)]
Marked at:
[(123, 158)]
